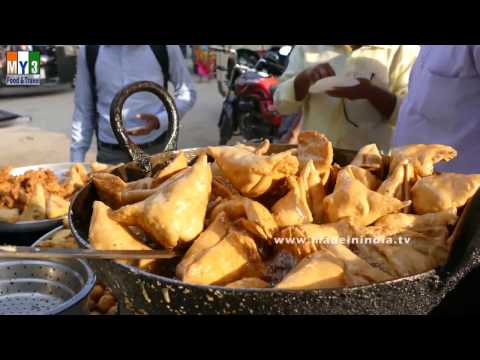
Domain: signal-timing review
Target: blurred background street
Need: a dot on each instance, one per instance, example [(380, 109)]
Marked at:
[(47, 138)]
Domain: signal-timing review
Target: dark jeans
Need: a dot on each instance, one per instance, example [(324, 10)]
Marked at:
[(107, 155), (184, 50)]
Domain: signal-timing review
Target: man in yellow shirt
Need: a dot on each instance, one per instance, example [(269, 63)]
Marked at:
[(350, 116)]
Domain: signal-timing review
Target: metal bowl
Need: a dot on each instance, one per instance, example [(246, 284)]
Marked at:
[(38, 225), (45, 287)]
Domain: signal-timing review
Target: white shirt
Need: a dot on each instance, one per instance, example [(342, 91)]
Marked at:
[(390, 64)]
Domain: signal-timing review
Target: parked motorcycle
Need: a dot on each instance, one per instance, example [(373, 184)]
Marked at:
[(248, 108)]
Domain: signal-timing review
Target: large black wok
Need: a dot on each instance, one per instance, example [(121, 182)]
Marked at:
[(140, 292)]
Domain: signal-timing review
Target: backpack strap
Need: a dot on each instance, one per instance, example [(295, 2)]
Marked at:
[(161, 54), (91, 53)]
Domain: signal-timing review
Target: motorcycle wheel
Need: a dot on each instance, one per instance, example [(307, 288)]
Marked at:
[(226, 128)]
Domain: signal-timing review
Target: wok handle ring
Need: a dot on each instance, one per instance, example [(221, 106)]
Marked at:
[(465, 252), (116, 121)]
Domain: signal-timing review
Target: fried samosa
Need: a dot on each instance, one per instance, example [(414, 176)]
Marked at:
[(56, 206), (252, 215), (180, 162), (252, 174), (351, 198), (215, 232), (422, 157), (293, 208), (223, 188), (261, 149), (175, 213), (440, 192), (303, 240), (107, 234), (109, 188), (362, 175), (97, 167), (368, 157), (232, 258), (35, 208), (407, 252), (316, 191), (76, 178), (332, 266), (410, 221), (315, 146)]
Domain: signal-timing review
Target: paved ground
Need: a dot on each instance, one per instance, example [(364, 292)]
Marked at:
[(46, 138)]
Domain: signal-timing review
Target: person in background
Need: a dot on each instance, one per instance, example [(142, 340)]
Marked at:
[(204, 62), (443, 104), (115, 67), (349, 116)]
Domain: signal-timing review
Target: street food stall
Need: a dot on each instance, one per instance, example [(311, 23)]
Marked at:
[(244, 229)]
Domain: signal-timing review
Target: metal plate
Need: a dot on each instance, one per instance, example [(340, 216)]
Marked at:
[(59, 170)]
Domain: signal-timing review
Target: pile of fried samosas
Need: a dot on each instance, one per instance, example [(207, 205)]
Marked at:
[(40, 194), (253, 219)]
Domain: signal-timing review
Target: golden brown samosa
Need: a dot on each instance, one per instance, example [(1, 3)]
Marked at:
[(368, 157), (316, 191), (423, 157), (303, 240), (175, 213), (109, 188), (441, 192), (76, 178), (410, 221), (252, 216), (293, 208), (331, 267), (351, 198), (232, 258), (316, 271), (107, 234), (180, 162), (260, 149), (36, 206), (362, 175), (56, 206), (407, 252), (315, 146), (253, 174), (215, 232)]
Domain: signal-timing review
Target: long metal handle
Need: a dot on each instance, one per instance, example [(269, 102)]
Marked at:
[(48, 253), (116, 121)]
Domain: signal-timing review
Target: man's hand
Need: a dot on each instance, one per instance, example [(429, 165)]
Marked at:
[(360, 91), (151, 123), (310, 76), (383, 100)]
